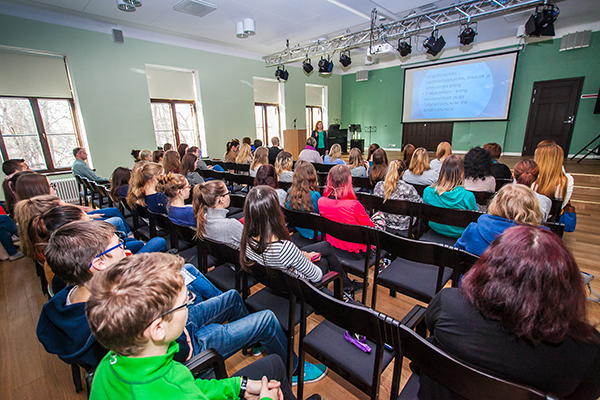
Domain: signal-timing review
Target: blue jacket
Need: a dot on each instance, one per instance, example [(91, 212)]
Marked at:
[(478, 236)]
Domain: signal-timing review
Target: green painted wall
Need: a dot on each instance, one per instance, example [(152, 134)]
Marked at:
[(114, 98), (378, 101)]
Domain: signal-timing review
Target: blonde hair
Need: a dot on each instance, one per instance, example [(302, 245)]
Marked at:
[(146, 155), (139, 178), (283, 162), (171, 161), (335, 152), (261, 157), (395, 170), (419, 162), (518, 203), (551, 177), (25, 211), (243, 154), (444, 149), (355, 159)]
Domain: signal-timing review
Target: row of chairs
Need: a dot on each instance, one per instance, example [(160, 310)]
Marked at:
[(237, 168), (92, 194)]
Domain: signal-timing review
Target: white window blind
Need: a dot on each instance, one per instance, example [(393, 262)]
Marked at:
[(266, 91), (314, 95), (170, 84)]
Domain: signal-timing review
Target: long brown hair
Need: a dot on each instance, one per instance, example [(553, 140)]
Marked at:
[(395, 170), (120, 177), (551, 177), (452, 174), (261, 157), (188, 164), (305, 181), (380, 163), (371, 150), (171, 162), (355, 159), (25, 211), (205, 196), (31, 185), (140, 175), (263, 219)]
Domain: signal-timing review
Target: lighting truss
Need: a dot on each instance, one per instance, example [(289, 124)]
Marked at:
[(411, 25)]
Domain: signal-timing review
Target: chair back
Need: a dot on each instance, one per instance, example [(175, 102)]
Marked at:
[(209, 173), (242, 168), (398, 207), (83, 191), (322, 178), (285, 185), (419, 188), (362, 183), (447, 216), (237, 200), (555, 210), (483, 198), (241, 180), (456, 376), (556, 227), (163, 222), (502, 181), (300, 219), (229, 166), (323, 167)]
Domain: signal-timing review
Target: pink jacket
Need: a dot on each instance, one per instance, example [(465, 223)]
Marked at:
[(348, 212)]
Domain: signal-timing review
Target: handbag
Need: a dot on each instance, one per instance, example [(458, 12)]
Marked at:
[(569, 218)]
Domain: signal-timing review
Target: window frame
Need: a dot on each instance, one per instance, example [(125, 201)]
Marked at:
[(265, 133), (41, 131), (311, 123), (172, 104)]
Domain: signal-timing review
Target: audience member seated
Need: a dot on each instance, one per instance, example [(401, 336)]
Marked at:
[(334, 156), (256, 144), (499, 171), (370, 151), (273, 150), (260, 159), (448, 192), (358, 166), (310, 153), (195, 150), (9, 185), (8, 229), (526, 173), (119, 182), (177, 190), (182, 150), (407, 153), (157, 156), (189, 164), (142, 189), (378, 170), (304, 193), (512, 205), (283, 167), (396, 189), (444, 149), (210, 201), (171, 162), (478, 171), (520, 315), (244, 155), (266, 175), (136, 310), (231, 150), (418, 172), (267, 241), (552, 181), (136, 155), (10, 168), (80, 167), (167, 146), (145, 155)]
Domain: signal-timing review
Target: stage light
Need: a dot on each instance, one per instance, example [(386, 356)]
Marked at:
[(345, 59), (127, 5), (467, 35), (281, 74), (404, 47), (541, 23), (434, 44), (307, 66), (325, 66)]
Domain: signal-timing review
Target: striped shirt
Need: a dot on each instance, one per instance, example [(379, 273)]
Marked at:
[(286, 256)]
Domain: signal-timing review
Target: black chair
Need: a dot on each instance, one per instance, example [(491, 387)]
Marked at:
[(418, 269), (209, 173), (229, 166), (354, 234), (285, 185), (556, 227), (362, 183), (104, 193), (322, 178), (323, 167), (446, 216), (91, 190), (465, 381), (374, 203), (208, 359), (502, 181), (83, 191), (483, 198), (242, 168), (419, 188), (555, 210), (240, 181)]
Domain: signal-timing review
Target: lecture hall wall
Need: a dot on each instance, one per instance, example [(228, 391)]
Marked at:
[(378, 101)]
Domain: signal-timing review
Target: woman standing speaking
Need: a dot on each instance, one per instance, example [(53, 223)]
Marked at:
[(320, 136)]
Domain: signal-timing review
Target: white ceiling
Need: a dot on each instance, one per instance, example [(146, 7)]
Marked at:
[(299, 21)]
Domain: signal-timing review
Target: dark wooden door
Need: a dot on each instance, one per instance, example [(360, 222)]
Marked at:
[(427, 134), (552, 113)]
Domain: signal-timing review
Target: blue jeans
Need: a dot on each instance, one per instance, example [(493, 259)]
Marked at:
[(243, 330), (201, 286), (154, 245), (113, 212), (7, 229)]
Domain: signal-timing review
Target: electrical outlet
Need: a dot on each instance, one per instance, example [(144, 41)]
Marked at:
[(392, 145)]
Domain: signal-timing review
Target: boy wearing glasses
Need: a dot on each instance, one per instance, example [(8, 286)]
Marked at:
[(137, 309)]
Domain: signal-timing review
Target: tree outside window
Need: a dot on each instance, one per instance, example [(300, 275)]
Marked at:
[(267, 121), (175, 122)]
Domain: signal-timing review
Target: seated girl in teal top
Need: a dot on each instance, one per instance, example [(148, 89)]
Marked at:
[(304, 193), (447, 192)]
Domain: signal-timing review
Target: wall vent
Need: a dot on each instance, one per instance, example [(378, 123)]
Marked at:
[(362, 76), (575, 40)]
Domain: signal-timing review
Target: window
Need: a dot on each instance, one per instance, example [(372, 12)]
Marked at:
[(41, 131), (175, 122), (313, 115), (267, 121)]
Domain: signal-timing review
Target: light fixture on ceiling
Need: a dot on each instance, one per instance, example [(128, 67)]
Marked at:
[(128, 5), (325, 66), (245, 28), (307, 66), (467, 34), (281, 74), (404, 46), (434, 44), (541, 23), (345, 59)]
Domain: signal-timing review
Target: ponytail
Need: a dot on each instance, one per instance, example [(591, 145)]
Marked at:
[(205, 196)]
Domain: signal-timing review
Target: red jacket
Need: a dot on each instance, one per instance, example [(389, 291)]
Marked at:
[(348, 212)]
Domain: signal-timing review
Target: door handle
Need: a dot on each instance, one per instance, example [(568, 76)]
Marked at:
[(570, 120)]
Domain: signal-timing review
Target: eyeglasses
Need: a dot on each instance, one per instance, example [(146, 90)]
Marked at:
[(191, 298), (226, 194), (107, 251)]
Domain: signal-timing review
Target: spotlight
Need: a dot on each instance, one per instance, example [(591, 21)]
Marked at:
[(404, 47), (345, 59), (126, 5), (467, 36), (434, 44), (281, 74), (541, 23), (325, 66), (307, 66)]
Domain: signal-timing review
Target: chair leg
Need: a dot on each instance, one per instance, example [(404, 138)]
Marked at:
[(75, 371)]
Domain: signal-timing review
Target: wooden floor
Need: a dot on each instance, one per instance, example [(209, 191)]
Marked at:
[(28, 372)]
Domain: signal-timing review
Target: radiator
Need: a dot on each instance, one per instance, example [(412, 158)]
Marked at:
[(66, 190)]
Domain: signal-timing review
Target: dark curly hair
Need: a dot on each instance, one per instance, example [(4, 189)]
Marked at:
[(478, 163)]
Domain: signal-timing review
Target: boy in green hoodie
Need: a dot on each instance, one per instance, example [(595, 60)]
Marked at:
[(137, 309)]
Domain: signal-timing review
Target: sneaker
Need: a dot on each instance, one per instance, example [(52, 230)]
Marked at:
[(312, 373), (16, 256), (172, 251), (257, 351), (348, 295)]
